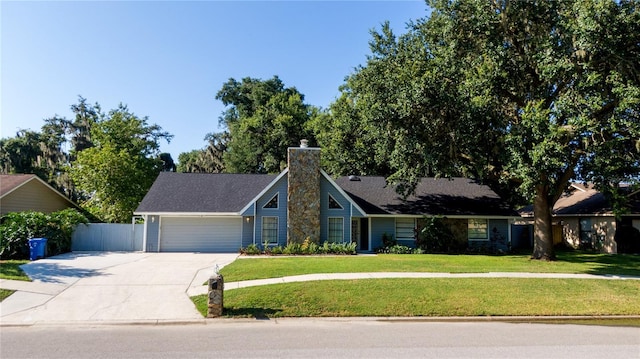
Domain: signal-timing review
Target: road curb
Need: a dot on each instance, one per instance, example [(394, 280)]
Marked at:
[(275, 321)]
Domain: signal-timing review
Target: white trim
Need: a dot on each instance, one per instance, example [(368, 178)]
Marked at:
[(341, 191), (277, 197), (255, 219), (144, 233), (457, 216), (159, 233), (190, 214), (330, 197), (33, 176), (266, 188)]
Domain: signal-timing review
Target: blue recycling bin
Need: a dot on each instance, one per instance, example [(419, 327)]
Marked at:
[(37, 248)]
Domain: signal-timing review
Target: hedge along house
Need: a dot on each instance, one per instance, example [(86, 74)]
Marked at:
[(189, 212)]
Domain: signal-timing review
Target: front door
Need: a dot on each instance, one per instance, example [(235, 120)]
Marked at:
[(360, 233)]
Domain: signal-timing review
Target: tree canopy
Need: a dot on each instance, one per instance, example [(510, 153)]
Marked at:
[(120, 167), (522, 95), (263, 118), (105, 162)]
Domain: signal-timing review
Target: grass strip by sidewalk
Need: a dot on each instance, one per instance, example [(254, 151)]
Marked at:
[(433, 297), (10, 269), (4, 293), (568, 262)]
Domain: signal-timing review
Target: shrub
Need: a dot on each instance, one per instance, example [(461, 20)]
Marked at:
[(251, 249), (292, 249), (388, 240), (400, 249), (436, 237), (306, 248), (17, 228)]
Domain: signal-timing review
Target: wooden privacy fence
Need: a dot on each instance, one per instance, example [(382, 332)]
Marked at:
[(107, 237)]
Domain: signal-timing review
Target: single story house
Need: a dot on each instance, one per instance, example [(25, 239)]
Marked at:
[(584, 218), (196, 212), (27, 192)]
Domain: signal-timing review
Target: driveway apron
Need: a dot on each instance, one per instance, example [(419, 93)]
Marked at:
[(97, 286)]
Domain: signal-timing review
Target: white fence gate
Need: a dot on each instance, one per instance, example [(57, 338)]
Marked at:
[(107, 237)]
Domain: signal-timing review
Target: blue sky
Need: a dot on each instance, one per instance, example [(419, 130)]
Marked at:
[(167, 60)]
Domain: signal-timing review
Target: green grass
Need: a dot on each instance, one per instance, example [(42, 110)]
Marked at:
[(10, 269), (434, 297), (4, 293), (568, 262)]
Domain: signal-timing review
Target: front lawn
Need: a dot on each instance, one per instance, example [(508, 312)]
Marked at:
[(10, 269), (568, 262), (434, 297)]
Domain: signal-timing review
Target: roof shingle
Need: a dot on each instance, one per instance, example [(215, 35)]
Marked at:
[(202, 192), (441, 196)]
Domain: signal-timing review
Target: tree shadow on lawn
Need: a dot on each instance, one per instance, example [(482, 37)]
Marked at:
[(616, 264), (257, 313)]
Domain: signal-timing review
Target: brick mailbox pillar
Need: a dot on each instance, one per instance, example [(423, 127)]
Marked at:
[(216, 294)]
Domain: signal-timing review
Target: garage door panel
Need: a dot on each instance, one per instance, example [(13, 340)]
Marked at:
[(184, 234)]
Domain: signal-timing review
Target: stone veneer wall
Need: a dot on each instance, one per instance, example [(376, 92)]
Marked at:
[(303, 197)]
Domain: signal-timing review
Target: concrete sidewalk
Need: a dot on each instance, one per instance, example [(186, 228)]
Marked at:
[(377, 275)]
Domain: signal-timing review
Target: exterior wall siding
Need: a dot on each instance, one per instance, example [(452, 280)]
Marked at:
[(247, 231), (279, 188), (498, 237), (250, 210), (153, 233), (33, 196), (327, 189), (380, 226), (605, 231)]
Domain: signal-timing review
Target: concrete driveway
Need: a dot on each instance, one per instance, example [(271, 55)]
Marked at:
[(111, 287)]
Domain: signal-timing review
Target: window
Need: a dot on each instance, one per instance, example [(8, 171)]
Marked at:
[(585, 233), (405, 229), (273, 202), (336, 229), (478, 229), (333, 204), (270, 230)]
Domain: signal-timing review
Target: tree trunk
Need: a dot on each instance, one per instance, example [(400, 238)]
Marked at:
[(542, 233)]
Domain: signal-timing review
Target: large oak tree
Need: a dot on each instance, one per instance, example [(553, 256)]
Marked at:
[(523, 95)]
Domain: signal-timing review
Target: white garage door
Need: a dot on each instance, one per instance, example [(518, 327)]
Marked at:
[(185, 234)]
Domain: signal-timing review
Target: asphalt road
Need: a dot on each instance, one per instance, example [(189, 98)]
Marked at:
[(309, 338)]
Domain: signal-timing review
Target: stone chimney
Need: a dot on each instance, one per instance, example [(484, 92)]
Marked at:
[(303, 197)]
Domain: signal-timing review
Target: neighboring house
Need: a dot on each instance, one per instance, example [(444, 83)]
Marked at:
[(584, 218), (27, 192), (224, 212)]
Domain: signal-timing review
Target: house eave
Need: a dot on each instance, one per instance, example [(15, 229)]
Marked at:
[(264, 190), (44, 183), (456, 216), (190, 214)]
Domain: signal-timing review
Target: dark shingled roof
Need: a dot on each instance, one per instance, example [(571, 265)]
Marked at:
[(202, 192), (456, 196)]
